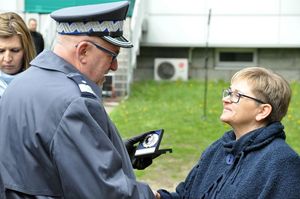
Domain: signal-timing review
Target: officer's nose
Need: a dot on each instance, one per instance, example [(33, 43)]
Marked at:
[(114, 65)]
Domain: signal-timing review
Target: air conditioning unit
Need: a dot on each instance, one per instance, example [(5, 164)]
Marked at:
[(108, 86), (170, 69)]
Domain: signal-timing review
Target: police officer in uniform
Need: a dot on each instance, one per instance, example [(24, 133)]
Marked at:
[(56, 140)]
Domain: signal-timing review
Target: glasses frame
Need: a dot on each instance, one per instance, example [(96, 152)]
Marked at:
[(228, 92), (112, 54)]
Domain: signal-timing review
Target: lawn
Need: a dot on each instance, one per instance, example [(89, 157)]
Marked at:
[(178, 108)]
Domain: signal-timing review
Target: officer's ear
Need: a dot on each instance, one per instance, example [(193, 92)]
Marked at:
[(82, 49)]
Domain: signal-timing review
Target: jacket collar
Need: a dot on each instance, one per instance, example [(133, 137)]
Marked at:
[(59, 64), (252, 140)]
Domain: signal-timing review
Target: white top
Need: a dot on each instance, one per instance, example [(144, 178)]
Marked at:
[(3, 86), (5, 79)]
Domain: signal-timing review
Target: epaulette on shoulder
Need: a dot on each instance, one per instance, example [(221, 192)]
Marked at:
[(85, 89)]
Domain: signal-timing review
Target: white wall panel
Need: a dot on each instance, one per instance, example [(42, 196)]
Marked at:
[(290, 7), (177, 7), (245, 23), (290, 31), (12, 5), (244, 30), (244, 7), (176, 30)]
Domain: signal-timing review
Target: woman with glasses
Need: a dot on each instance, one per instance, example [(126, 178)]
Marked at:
[(253, 159)]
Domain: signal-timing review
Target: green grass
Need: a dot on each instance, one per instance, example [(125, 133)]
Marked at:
[(178, 108)]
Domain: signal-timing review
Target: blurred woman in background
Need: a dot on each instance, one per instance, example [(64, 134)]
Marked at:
[(16, 48)]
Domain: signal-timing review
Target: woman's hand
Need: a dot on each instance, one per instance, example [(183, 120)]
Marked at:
[(157, 195)]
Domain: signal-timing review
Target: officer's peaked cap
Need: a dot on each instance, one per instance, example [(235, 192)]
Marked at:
[(103, 20)]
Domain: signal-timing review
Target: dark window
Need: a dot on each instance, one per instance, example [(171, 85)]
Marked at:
[(236, 57)]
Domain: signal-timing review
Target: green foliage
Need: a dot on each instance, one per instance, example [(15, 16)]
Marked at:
[(178, 108)]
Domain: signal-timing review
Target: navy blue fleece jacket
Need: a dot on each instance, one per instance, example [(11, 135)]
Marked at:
[(259, 165)]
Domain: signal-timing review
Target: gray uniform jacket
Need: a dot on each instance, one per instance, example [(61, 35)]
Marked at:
[(56, 140)]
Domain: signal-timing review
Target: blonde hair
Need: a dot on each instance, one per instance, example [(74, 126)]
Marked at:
[(268, 87), (12, 24)]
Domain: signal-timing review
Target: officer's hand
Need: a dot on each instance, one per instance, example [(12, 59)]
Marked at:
[(130, 143), (141, 163), (137, 162)]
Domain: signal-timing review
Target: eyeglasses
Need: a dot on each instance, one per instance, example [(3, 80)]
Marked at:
[(235, 96), (112, 54)]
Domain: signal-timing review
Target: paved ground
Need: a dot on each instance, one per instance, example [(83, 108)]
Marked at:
[(110, 104), (109, 107)]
